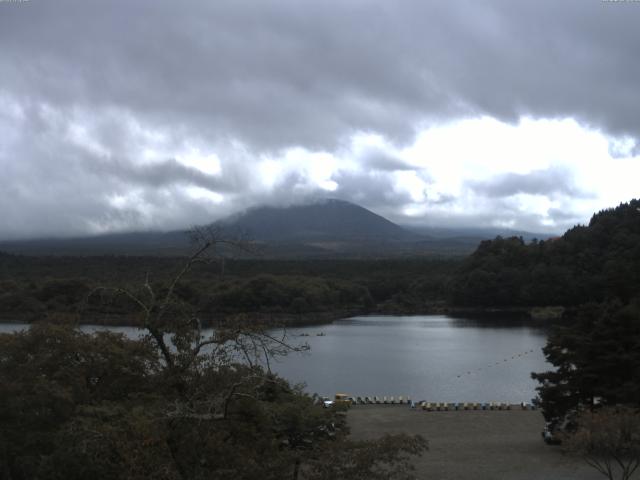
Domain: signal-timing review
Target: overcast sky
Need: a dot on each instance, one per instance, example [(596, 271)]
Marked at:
[(129, 115)]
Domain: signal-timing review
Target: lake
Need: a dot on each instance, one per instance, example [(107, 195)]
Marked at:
[(431, 357)]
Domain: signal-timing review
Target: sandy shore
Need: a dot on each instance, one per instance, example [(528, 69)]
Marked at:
[(478, 445)]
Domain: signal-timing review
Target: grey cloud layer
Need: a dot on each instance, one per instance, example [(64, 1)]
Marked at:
[(165, 173), (283, 73), (274, 74), (549, 182), (376, 159)]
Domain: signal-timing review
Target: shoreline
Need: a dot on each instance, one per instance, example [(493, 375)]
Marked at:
[(536, 314), (129, 320)]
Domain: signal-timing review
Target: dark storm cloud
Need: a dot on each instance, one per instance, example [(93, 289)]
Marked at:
[(53, 183), (376, 159), (69, 198), (369, 188), (160, 174), (549, 182), (264, 76), (284, 73)]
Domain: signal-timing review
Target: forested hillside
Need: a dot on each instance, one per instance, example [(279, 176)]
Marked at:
[(596, 262), (33, 288)]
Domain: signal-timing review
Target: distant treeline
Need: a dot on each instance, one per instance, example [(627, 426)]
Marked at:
[(31, 287), (591, 263)]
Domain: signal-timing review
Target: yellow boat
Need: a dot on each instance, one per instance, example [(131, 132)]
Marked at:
[(342, 398)]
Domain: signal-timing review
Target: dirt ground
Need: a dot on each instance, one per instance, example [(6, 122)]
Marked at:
[(478, 445)]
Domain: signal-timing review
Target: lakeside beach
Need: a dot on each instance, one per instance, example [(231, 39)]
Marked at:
[(474, 444)]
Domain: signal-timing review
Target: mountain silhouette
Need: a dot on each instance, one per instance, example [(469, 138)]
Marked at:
[(323, 228), (326, 220)]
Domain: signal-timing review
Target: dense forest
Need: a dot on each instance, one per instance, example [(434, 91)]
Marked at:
[(595, 349), (596, 262), (596, 355), (33, 287)]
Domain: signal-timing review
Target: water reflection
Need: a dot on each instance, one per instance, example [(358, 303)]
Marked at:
[(500, 322), (431, 357)]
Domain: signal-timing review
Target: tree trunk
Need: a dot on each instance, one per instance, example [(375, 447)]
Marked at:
[(296, 469)]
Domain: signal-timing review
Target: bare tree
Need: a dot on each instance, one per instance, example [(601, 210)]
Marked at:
[(175, 326), (608, 439)]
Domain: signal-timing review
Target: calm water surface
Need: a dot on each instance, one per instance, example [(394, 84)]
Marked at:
[(433, 357)]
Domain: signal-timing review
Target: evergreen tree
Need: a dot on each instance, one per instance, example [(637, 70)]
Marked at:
[(596, 360)]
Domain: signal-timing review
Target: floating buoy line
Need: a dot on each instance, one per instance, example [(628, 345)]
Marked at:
[(515, 356)]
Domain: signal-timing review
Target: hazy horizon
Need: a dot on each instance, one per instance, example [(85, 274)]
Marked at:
[(437, 231)]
